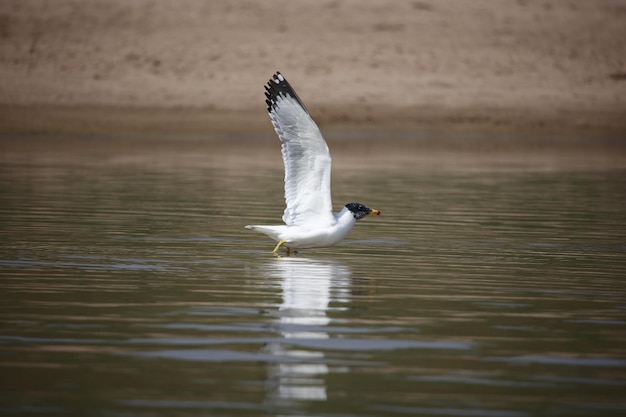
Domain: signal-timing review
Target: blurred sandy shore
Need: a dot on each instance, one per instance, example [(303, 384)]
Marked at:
[(195, 67)]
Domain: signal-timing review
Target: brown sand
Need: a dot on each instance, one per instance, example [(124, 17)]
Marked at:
[(195, 67)]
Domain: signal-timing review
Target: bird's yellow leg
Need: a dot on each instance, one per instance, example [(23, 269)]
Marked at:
[(281, 243)]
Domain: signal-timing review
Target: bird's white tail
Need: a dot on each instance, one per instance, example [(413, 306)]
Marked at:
[(271, 231)]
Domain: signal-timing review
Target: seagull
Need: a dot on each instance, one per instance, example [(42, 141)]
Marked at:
[(309, 219)]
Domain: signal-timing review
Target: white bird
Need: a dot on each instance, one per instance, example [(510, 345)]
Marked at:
[(309, 219)]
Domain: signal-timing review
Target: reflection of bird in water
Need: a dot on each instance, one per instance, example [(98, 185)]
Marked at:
[(308, 288), (309, 219)]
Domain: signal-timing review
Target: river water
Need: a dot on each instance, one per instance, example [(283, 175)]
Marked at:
[(488, 287)]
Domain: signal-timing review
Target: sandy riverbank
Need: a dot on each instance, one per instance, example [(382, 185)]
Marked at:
[(198, 67)]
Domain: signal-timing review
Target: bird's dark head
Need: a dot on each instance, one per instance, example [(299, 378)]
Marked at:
[(359, 210)]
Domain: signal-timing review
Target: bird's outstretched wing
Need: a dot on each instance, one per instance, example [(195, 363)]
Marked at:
[(305, 154)]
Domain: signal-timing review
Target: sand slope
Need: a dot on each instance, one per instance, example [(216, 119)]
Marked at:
[(198, 66)]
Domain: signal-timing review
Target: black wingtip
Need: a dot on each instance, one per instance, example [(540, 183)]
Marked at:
[(277, 86)]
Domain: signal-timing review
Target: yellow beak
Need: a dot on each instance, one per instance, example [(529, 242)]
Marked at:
[(376, 212)]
